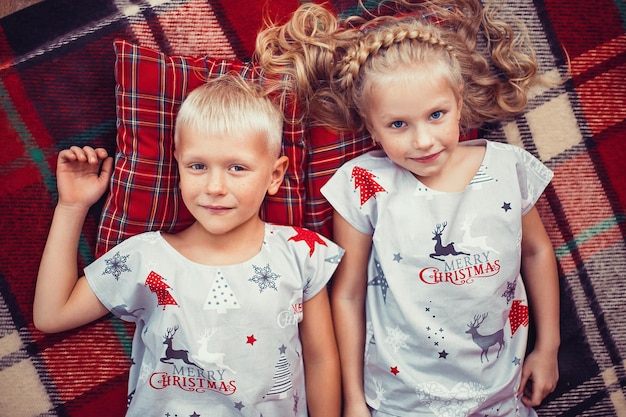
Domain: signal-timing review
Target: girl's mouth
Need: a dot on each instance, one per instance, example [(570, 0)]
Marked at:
[(426, 159)]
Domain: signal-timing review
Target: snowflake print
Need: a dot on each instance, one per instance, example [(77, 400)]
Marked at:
[(459, 401), (396, 338), (116, 265), (307, 286), (264, 277), (510, 291), (380, 391), (145, 372)]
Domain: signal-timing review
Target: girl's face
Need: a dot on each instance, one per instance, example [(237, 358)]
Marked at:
[(414, 115)]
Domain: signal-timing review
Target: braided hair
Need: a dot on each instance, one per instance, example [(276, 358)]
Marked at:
[(326, 64), (390, 45)]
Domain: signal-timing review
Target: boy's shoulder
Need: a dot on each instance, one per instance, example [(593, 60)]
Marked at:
[(138, 240), (294, 234), (288, 231)]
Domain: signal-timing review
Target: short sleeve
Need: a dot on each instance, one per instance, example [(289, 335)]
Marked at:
[(353, 193), (115, 277), (319, 258), (533, 177)]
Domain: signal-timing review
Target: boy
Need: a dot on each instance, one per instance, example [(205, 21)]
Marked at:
[(231, 314)]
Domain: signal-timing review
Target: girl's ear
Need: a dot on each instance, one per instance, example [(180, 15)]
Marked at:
[(278, 173)]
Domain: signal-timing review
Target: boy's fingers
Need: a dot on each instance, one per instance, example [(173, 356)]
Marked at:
[(107, 168), (91, 154)]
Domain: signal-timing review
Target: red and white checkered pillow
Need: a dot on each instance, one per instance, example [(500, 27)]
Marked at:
[(144, 193)]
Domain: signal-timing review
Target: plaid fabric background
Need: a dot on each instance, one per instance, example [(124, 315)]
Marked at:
[(57, 89)]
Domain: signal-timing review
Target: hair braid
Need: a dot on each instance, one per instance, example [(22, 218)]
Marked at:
[(373, 42)]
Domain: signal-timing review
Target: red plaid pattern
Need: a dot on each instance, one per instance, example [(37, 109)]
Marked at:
[(57, 89)]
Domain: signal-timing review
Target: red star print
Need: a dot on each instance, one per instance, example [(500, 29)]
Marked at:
[(251, 339), (310, 237), (365, 180), (394, 370), (518, 316), (160, 288)]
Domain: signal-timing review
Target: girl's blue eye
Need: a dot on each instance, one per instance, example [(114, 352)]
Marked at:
[(197, 166), (397, 124), (437, 115), (237, 168)]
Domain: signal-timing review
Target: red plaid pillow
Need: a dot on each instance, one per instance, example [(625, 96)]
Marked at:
[(144, 192)]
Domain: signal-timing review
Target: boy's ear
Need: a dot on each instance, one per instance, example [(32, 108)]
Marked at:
[(278, 173)]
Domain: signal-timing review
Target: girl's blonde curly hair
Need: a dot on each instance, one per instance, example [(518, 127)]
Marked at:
[(326, 63)]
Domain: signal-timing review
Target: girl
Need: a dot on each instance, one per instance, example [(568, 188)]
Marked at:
[(445, 251)]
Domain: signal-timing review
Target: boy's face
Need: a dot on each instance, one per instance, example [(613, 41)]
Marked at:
[(224, 178)]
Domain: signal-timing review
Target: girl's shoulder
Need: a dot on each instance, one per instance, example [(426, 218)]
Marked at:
[(372, 160), (502, 149), (502, 152), (526, 166)]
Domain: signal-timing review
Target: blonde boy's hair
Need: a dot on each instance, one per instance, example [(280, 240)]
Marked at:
[(231, 105)]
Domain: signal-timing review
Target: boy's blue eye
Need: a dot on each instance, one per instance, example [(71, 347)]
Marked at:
[(197, 166), (397, 124), (237, 168)]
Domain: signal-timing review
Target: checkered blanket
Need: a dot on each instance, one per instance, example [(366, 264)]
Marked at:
[(57, 89)]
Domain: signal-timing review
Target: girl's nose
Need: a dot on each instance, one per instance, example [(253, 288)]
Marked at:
[(422, 139)]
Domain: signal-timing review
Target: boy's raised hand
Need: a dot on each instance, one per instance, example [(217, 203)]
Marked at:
[(63, 300), (83, 175)]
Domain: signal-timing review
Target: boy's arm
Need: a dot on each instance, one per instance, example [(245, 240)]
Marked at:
[(539, 271), (321, 359), (348, 290), (62, 301)]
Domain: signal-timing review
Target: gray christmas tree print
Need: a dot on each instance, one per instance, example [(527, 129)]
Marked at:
[(282, 376), (221, 296)]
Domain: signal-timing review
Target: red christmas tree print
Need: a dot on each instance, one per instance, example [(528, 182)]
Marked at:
[(364, 180), (518, 316), (308, 236), (160, 288)]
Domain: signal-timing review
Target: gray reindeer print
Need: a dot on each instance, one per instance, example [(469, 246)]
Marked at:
[(485, 341), (441, 249), (171, 353)]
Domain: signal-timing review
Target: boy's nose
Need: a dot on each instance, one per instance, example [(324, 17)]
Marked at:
[(216, 184)]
